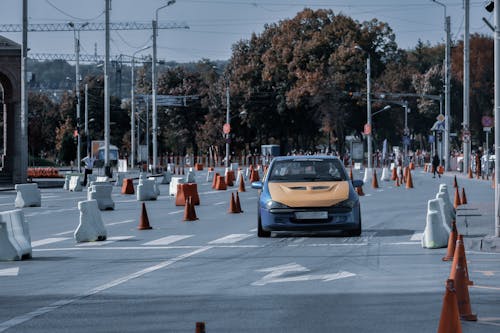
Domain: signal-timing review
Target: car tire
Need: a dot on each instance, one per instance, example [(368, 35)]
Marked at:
[(356, 232), (261, 232)]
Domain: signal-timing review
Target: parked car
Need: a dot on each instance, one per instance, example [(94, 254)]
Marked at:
[(308, 193)]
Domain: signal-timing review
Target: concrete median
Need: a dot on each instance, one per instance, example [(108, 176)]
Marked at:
[(28, 195), (91, 227), (15, 240)]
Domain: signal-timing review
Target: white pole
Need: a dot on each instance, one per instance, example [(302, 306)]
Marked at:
[(132, 114), (497, 115), (369, 110), (227, 122), (153, 88), (447, 104), (106, 96), (77, 92), (23, 173), (466, 143), (87, 117)]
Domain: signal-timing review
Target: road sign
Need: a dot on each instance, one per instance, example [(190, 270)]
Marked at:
[(368, 129), (487, 121), (226, 128), (487, 129), (406, 140), (406, 131)]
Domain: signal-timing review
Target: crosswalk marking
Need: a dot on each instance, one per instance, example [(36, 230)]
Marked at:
[(230, 239), (167, 240), (106, 242), (46, 241), (14, 271)]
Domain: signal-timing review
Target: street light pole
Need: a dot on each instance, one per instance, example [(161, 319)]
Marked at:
[(369, 109), (227, 122), (76, 35), (497, 114), (466, 129), (447, 76), (107, 166), (132, 108), (153, 74)]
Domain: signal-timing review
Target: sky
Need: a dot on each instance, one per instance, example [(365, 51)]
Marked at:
[(215, 25)]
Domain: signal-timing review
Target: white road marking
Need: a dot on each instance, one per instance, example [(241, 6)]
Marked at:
[(276, 275), (14, 271), (167, 240), (51, 211), (401, 243), (220, 203), (46, 241), (106, 242), (176, 212), (47, 196), (230, 239), (56, 305), (417, 236), (120, 222), (253, 230)]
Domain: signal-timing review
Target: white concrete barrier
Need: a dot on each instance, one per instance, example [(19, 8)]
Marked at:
[(385, 175), (120, 176), (156, 187), (102, 179), (368, 177), (75, 184), (102, 194), (190, 177), (91, 228), (210, 176), (67, 178), (173, 185), (239, 177), (444, 194), (435, 234), (15, 240), (167, 175), (146, 190), (28, 195)]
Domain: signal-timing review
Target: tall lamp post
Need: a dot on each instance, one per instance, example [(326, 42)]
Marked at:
[(368, 107), (76, 34), (155, 111), (132, 108)]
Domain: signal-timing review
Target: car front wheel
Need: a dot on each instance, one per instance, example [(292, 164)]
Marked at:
[(261, 232)]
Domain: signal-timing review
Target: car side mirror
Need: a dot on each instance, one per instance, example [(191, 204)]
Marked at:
[(257, 185), (357, 183)]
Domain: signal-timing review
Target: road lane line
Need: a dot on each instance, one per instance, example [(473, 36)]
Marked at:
[(46, 241), (176, 212), (14, 271), (120, 222), (106, 242), (167, 240), (220, 203), (230, 239), (56, 305)]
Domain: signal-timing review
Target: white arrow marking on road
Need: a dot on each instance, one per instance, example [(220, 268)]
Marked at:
[(277, 272), (9, 271)]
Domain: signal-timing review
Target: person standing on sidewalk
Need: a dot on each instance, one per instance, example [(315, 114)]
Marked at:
[(435, 165)]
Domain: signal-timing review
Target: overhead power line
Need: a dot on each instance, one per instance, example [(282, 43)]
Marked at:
[(45, 27)]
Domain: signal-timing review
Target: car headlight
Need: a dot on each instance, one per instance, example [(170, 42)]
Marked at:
[(275, 204), (346, 203)]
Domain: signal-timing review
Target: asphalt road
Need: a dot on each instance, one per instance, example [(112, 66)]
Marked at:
[(217, 271)]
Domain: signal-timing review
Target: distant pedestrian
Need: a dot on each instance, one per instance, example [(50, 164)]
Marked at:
[(435, 165), (89, 165)]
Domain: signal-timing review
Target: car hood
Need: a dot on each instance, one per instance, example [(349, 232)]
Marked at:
[(309, 194)]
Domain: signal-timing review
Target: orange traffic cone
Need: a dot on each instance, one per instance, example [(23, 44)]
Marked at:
[(238, 204), (409, 181), (214, 181), (200, 327), (394, 173), (455, 184), (460, 274), (456, 201), (359, 191), (452, 241), (241, 187), (493, 181), (469, 174), (374, 179), (350, 174), (232, 205), (189, 212), (450, 317), (144, 220), (397, 182), (128, 186), (463, 200)]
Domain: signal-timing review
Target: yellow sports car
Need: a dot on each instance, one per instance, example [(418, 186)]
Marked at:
[(308, 193)]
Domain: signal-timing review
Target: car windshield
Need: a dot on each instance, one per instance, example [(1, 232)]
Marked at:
[(304, 170)]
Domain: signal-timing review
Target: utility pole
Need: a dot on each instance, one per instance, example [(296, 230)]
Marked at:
[(228, 121), (107, 167), (497, 115), (447, 75), (86, 129), (466, 128), (23, 166)]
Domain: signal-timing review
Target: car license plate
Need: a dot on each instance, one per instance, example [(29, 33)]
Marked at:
[(311, 215)]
